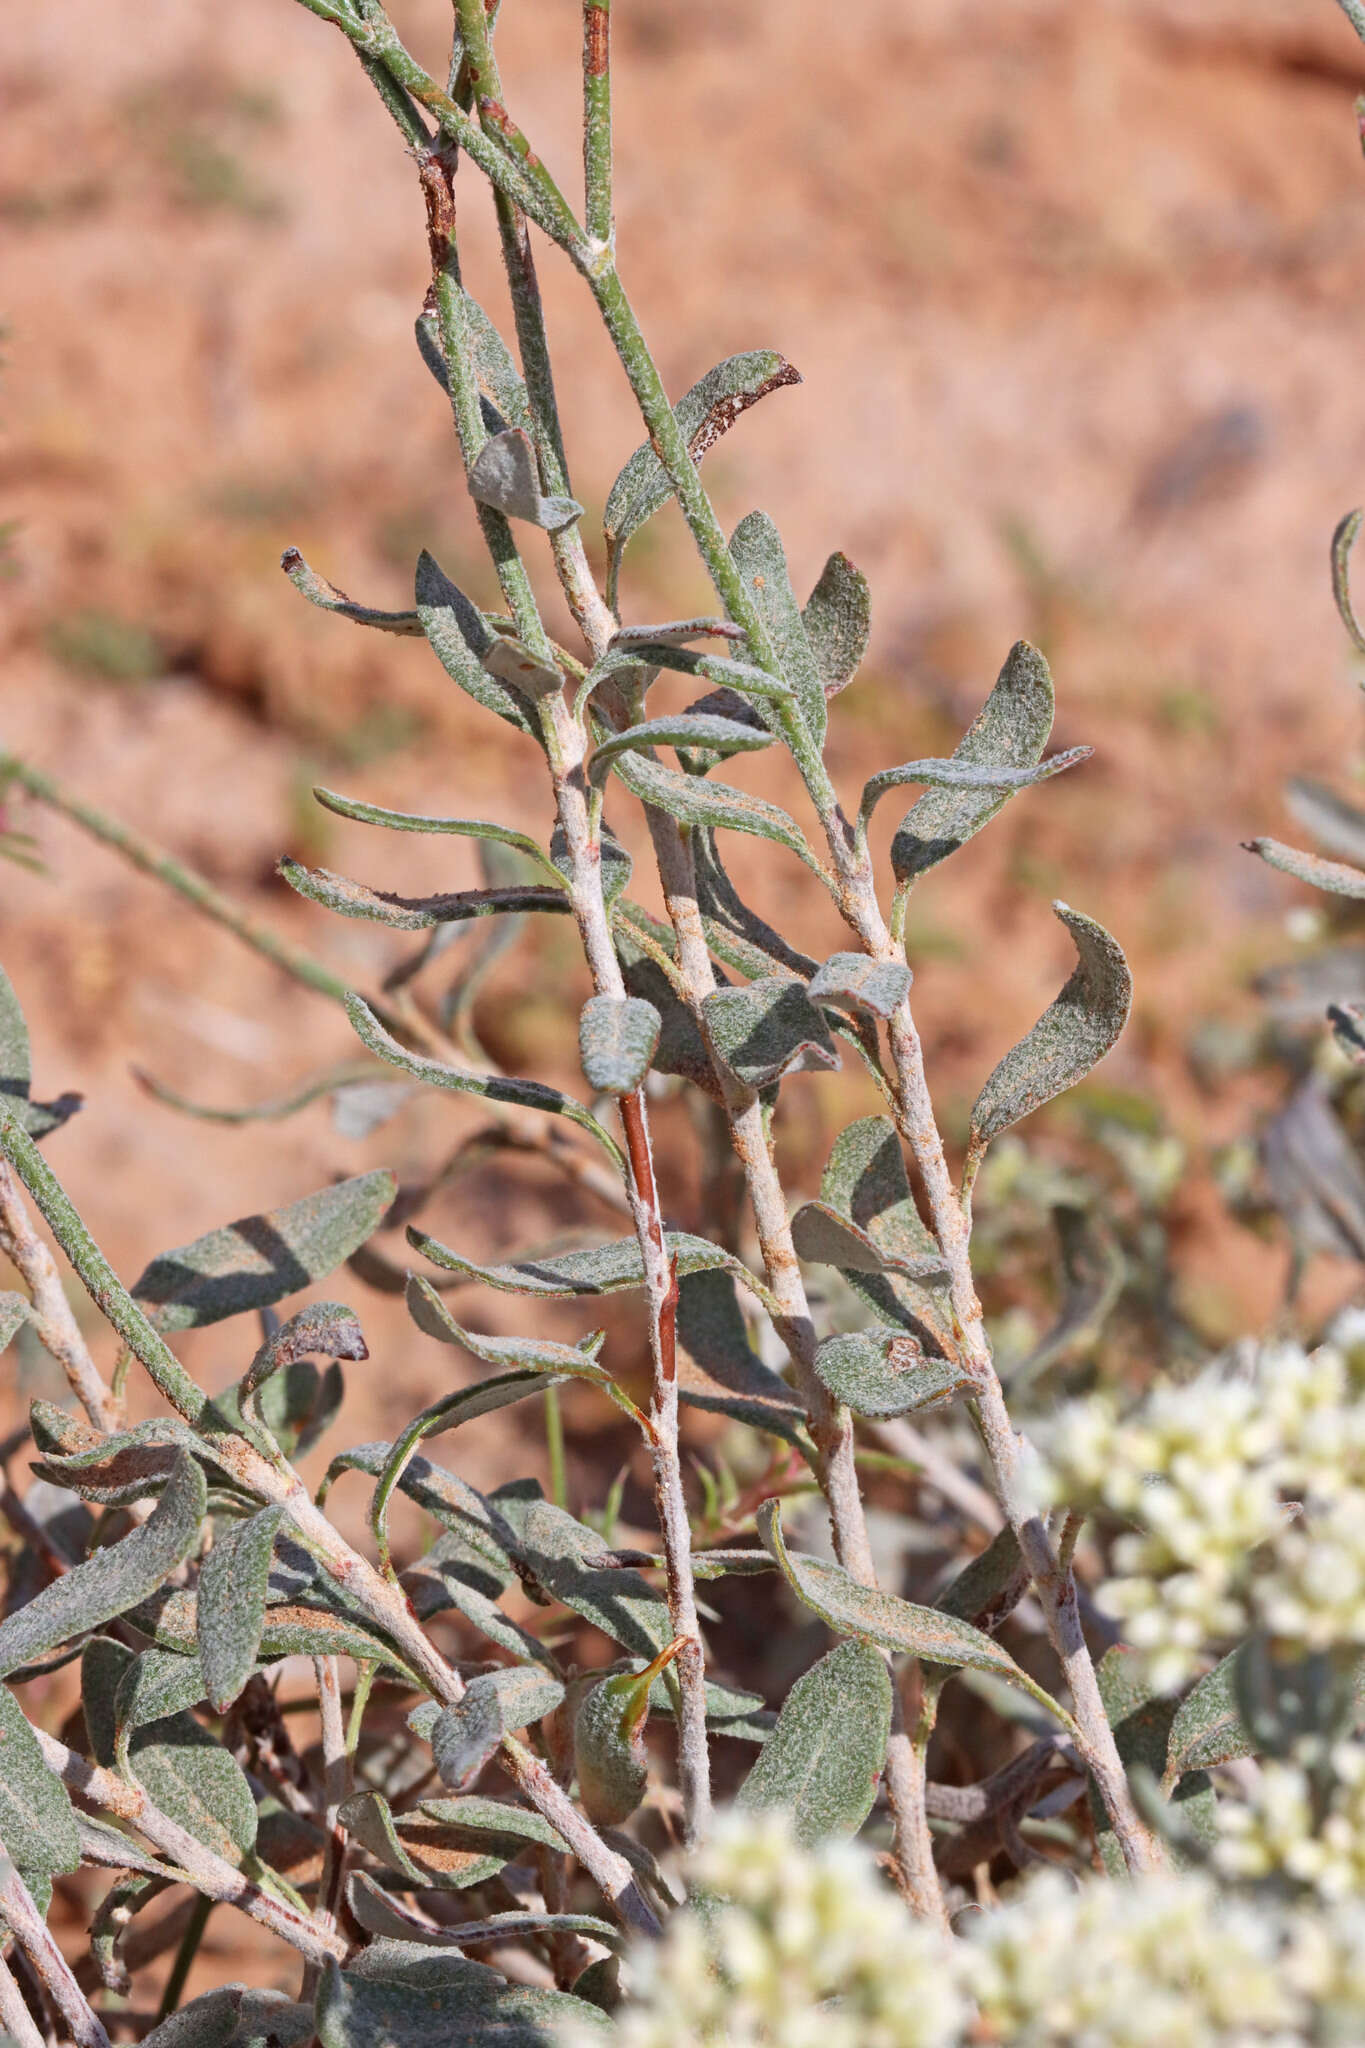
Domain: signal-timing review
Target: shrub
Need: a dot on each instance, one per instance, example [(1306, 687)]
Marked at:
[(187, 1565)]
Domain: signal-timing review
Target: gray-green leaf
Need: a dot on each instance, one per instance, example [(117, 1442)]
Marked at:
[(704, 413), (232, 1591), (606, 1269), (37, 1118), (417, 913), (1073, 1034), (767, 1029), (37, 1822), (757, 551), (824, 1237), (328, 598), (885, 1372), (256, 1261), (687, 730), (825, 1756), (853, 982), (1010, 730), (452, 2008), (617, 1037), (113, 1580), (837, 617), (1331, 875), (697, 800), (460, 637), (504, 474), (464, 1736)]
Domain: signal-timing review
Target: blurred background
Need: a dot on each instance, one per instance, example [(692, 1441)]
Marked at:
[(1075, 290)]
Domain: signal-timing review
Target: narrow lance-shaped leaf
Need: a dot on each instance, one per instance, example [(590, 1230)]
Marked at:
[(505, 475), (1331, 875), (416, 913), (336, 1081), (452, 1868), (1343, 540), (672, 633), (767, 1029), (328, 598), (460, 637), (113, 1580), (852, 1609), (837, 617), (757, 551), (704, 413), (617, 1037), (824, 1757), (604, 1269), (697, 800), (409, 821), (258, 1260), (740, 677), (232, 1594), (966, 775), (1073, 1034), (689, 729), (512, 662), (1011, 729), (37, 1823), (14, 1313), (570, 1562), (492, 1087)]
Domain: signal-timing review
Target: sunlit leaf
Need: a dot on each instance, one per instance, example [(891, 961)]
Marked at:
[(617, 1038), (320, 592), (417, 913), (853, 982), (885, 1372), (1331, 875), (757, 551), (232, 1591), (505, 475), (837, 617), (767, 1029), (37, 1823), (824, 1758), (460, 637)]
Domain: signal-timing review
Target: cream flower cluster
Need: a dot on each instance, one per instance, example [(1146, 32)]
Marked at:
[(1275, 1832), (1245, 1495), (786, 1947)]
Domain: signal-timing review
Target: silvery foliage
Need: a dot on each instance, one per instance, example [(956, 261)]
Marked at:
[(467, 1847)]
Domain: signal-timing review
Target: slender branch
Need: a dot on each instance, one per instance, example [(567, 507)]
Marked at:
[(184, 1957), (336, 1772), (50, 1966), (15, 2017), (53, 1318), (597, 160)]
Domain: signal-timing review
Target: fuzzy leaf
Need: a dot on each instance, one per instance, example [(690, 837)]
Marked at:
[(885, 1372), (14, 1313), (826, 1754), (688, 730), (718, 1368), (444, 2011), (837, 617), (505, 475), (824, 1237), (417, 913), (492, 1087), (967, 775), (757, 551), (459, 636), (987, 1581), (563, 1556), (767, 1029), (674, 633), (325, 1329), (154, 1685), (501, 388), (411, 821), (1141, 1720), (853, 982), (1073, 1034), (112, 1580), (232, 1590), (256, 1261), (190, 1776), (424, 1853), (697, 800), (1010, 730), (617, 1039), (1331, 875), (493, 1826), (606, 1269), (464, 1736), (865, 1182), (514, 664), (736, 681), (851, 1609), (328, 598), (704, 413), (1208, 1728), (1343, 540), (37, 1821), (617, 865), (540, 1354)]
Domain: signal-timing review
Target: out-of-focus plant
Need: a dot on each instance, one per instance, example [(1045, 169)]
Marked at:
[(186, 1564)]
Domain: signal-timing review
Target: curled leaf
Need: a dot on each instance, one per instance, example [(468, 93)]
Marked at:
[(717, 735), (320, 592), (505, 475), (767, 1029), (885, 1372), (415, 913), (605, 1269), (1073, 1034), (853, 982), (1331, 875), (967, 775)]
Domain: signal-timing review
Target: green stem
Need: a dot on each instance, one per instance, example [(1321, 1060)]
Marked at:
[(184, 1957), (554, 1444), (598, 216)]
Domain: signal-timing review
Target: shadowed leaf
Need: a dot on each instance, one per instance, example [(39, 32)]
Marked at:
[(767, 1029), (697, 800), (443, 2011), (504, 474), (1343, 540), (464, 1736), (37, 1822), (1142, 1720), (824, 1237), (417, 913), (853, 982), (37, 1118), (460, 637), (256, 1261), (606, 1269)]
